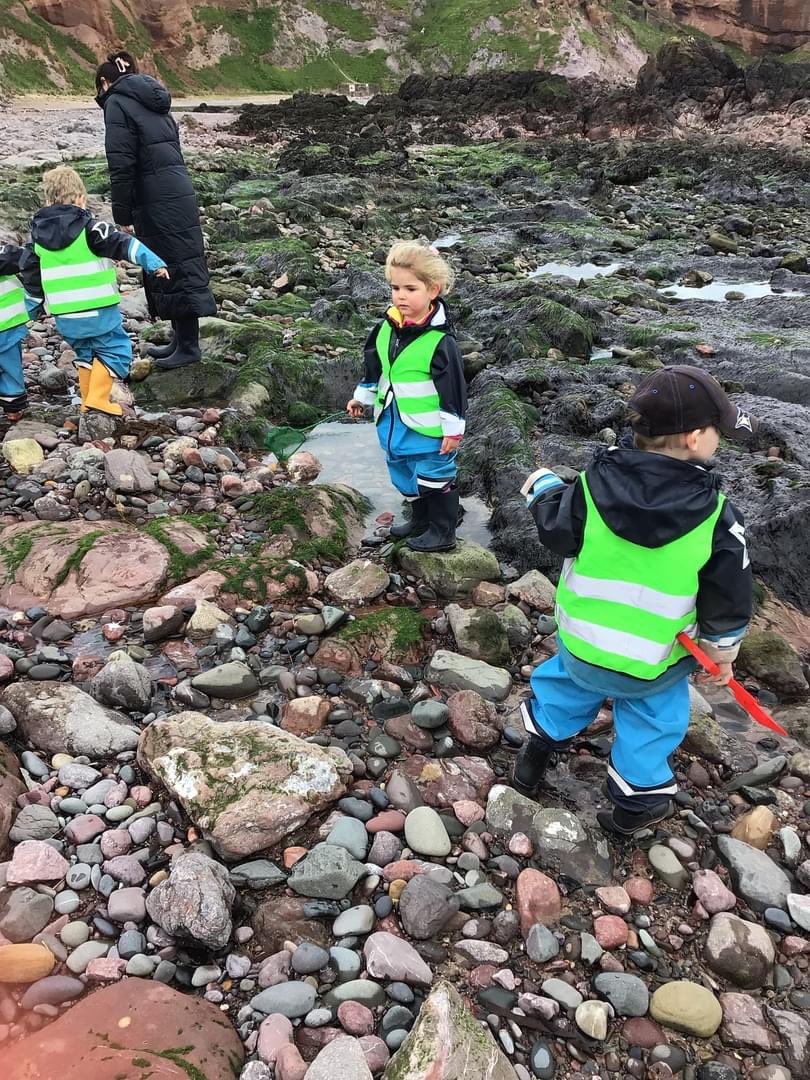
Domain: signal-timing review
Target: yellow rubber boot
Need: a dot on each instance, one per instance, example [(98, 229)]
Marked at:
[(98, 391), (84, 386)]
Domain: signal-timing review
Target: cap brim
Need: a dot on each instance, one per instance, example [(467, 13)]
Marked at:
[(736, 424)]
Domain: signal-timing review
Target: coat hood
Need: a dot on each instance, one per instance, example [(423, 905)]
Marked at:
[(650, 499), (141, 88), (57, 226)]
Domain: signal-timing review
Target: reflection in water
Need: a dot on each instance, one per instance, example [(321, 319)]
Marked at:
[(350, 454), (578, 273), (751, 290)]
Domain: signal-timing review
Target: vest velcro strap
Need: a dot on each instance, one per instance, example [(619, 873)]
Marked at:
[(619, 642), (629, 593)]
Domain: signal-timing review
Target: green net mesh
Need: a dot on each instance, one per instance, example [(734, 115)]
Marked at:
[(284, 441)]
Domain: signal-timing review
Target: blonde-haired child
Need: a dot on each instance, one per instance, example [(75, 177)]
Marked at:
[(414, 379), (70, 270)]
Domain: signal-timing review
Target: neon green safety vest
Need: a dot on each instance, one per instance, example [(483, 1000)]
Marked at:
[(621, 605), (415, 392), (74, 279), (12, 303)]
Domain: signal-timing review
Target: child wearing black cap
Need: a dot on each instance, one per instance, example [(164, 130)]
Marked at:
[(652, 549)]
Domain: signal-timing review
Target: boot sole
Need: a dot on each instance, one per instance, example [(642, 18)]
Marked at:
[(431, 550)]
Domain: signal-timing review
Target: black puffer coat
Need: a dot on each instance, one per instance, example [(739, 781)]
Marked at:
[(152, 190)]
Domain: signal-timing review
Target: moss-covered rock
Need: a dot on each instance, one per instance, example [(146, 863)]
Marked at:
[(311, 523), (395, 632), (479, 633), (770, 658), (454, 573)]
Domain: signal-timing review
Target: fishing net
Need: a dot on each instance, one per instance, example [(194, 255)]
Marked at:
[(284, 441)]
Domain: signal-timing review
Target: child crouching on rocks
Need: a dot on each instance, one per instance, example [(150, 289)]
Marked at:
[(73, 273), (652, 549), (414, 378), (14, 314)]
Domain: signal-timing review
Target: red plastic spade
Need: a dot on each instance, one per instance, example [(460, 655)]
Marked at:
[(748, 701)]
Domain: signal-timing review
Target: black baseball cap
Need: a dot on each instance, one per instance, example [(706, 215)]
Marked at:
[(682, 398)]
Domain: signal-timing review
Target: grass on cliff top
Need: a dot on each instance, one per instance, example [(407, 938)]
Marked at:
[(25, 72), (456, 31)]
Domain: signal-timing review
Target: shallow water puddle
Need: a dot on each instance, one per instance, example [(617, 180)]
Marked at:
[(579, 273), (350, 454), (716, 292)]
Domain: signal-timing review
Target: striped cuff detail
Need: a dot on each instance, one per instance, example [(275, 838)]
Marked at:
[(539, 483)]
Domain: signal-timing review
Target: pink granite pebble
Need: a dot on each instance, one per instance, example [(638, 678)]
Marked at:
[(640, 890), (275, 1032), (356, 1018), (614, 899), (610, 931), (521, 846), (468, 812), (34, 861)]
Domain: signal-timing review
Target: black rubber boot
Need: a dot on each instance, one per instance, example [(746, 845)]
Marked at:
[(159, 352), (187, 350), (624, 823), (416, 523), (530, 766), (442, 514)]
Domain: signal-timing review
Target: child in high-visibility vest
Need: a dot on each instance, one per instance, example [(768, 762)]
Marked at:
[(73, 274), (652, 549), (414, 379), (14, 314)]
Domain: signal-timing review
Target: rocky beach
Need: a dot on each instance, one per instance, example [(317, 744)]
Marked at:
[(255, 813)]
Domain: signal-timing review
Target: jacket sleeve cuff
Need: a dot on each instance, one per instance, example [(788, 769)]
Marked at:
[(722, 649), (365, 393), (540, 481), (452, 425)]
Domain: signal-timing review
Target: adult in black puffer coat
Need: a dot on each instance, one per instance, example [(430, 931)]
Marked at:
[(152, 191)]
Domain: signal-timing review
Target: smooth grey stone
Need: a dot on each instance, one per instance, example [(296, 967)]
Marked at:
[(356, 920), (351, 834), (78, 876), (257, 874), (130, 943), (365, 991), (541, 944), (292, 999), (560, 991), (66, 902), (430, 714), (626, 993), (346, 962), (309, 958)]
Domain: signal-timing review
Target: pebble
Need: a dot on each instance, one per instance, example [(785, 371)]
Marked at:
[(426, 833)]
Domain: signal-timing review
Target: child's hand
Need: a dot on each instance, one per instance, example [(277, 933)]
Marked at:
[(127, 229), (162, 272), (722, 677), (450, 443), (356, 409)]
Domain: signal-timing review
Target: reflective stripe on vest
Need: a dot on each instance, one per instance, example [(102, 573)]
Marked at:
[(415, 392), (12, 303), (621, 605), (75, 280)]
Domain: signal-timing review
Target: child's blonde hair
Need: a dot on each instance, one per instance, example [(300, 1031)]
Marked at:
[(63, 185), (423, 262)]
